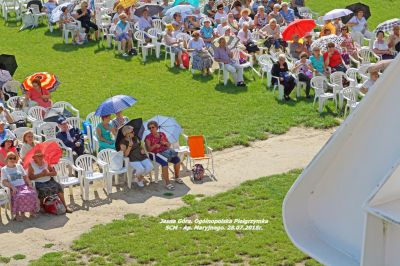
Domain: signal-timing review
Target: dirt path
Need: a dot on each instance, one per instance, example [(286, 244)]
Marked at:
[(233, 166)]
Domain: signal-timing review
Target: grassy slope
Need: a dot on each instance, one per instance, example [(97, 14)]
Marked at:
[(144, 240)]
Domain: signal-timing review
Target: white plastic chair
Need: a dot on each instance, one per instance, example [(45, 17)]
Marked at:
[(142, 45), (65, 170), (5, 202), (365, 54), (336, 82), (19, 115), (9, 7), (266, 66), (75, 122), (319, 83), (11, 86), (349, 94), (66, 150), (104, 157), (47, 130), (37, 14), (66, 31), (93, 119), (19, 132), (68, 106), (158, 24), (36, 115), (13, 101), (153, 34), (86, 173), (168, 51), (281, 88)]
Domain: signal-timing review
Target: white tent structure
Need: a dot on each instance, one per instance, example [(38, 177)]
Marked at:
[(344, 209)]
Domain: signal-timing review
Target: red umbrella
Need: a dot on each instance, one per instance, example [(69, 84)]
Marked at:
[(48, 81), (50, 150), (299, 27)]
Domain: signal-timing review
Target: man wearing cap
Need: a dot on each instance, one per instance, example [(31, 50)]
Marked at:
[(70, 136), (223, 55), (287, 13)]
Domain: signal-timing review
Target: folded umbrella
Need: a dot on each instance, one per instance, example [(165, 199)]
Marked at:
[(298, 27), (337, 13), (323, 41), (114, 105), (9, 63), (355, 8), (167, 125), (49, 81), (53, 114), (138, 128), (50, 150), (388, 25), (154, 9)]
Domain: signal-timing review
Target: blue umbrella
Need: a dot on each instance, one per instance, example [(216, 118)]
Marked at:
[(114, 105), (183, 9), (167, 125)]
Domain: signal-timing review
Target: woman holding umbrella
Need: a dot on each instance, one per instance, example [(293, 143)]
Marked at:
[(38, 95), (157, 142), (131, 146)]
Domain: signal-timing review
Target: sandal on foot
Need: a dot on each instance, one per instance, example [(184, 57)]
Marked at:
[(179, 180), (170, 187)]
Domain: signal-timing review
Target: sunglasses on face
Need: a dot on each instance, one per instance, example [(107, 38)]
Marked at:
[(152, 127), (12, 158)]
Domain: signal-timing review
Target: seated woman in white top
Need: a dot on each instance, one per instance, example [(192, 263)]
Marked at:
[(42, 173), (359, 27), (201, 58), (28, 142), (174, 43), (23, 195), (145, 22), (381, 47), (246, 18), (244, 36), (123, 33)]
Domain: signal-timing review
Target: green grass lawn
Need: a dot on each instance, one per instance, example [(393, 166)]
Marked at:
[(144, 240)]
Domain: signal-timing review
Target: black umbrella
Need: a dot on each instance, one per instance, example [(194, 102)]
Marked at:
[(355, 8), (154, 9), (8, 62), (138, 128), (55, 113)]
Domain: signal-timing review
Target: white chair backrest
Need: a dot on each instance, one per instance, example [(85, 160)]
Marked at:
[(104, 155), (139, 36), (365, 55), (86, 162), (18, 115), (63, 169), (158, 24), (166, 19), (13, 102), (48, 130), (349, 95), (255, 36), (35, 9), (337, 78), (265, 61), (66, 105), (75, 122), (183, 36), (153, 33), (11, 86), (94, 120), (19, 132), (36, 113), (317, 83)]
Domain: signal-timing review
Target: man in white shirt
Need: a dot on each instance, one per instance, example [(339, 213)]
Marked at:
[(220, 14)]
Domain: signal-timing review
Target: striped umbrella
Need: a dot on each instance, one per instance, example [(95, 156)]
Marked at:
[(388, 25), (48, 81), (115, 104)]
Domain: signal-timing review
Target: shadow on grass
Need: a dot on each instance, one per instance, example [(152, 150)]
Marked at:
[(230, 88), (55, 34), (199, 77)]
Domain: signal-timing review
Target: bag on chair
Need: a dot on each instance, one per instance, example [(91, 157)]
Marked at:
[(198, 172), (52, 204)]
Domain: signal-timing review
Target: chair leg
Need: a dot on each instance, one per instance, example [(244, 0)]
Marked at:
[(129, 178), (321, 105), (108, 182), (86, 187), (280, 92), (70, 190)]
